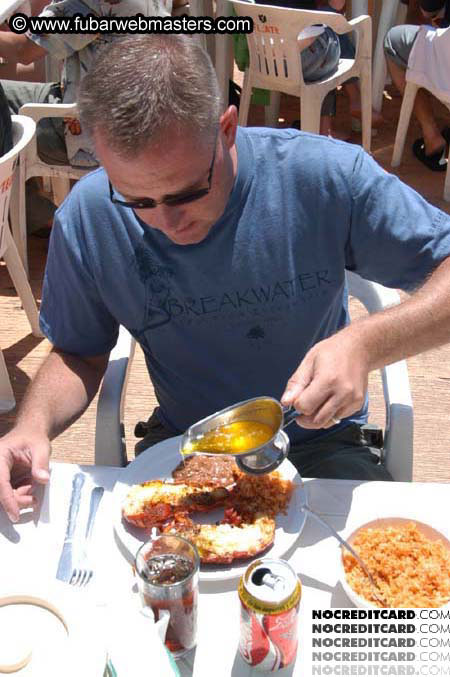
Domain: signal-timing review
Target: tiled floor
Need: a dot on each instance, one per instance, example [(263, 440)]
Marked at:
[(429, 373)]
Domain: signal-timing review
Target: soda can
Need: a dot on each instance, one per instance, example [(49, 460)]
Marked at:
[(270, 592)]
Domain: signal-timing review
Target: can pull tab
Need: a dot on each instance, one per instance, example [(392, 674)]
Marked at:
[(264, 576)]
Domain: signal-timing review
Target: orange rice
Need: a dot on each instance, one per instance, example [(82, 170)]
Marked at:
[(262, 494), (410, 569)]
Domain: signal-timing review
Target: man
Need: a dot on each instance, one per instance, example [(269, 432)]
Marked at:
[(223, 251), (432, 148)]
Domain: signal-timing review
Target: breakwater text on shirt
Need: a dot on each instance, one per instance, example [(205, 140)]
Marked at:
[(90, 23)]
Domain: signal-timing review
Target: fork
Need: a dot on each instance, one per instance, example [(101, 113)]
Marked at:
[(82, 573), (376, 592)]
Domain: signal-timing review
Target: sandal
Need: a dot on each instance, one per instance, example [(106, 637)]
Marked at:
[(437, 162)]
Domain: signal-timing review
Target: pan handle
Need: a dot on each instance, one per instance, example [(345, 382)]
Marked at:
[(289, 414)]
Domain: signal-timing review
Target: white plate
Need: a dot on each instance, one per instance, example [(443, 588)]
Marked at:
[(51, 629), (158, 462)]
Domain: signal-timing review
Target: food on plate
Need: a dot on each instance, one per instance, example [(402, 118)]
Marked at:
[(151, 503), (410, 569), (219, 470), (222, 543), (269, 494), (231, 438), (251, 504)]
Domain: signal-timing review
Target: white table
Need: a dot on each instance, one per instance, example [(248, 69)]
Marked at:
[(8, 7), (343, 503)]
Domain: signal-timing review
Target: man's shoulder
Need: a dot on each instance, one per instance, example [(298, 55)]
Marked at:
[(89, 194), (92, 183), (309, 153), (294, 139)]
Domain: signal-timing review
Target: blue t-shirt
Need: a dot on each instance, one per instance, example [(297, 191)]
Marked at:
[(232, 317)]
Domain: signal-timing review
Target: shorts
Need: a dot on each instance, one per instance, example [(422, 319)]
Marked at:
[(398, 43)]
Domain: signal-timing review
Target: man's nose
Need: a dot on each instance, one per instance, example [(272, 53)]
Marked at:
[(168, 218)]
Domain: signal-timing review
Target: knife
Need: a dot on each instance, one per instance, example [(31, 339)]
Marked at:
[(65, 566)]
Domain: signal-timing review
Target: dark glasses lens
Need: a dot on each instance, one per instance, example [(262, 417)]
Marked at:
[(184, 199)]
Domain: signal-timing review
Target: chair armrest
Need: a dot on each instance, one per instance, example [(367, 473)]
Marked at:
[(398, 438), (38, 111), (109, 433)]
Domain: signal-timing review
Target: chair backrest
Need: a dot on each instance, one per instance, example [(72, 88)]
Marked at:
[(23, 131), (273, 44)]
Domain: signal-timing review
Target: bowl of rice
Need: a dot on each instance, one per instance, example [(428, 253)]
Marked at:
[(409, 560)]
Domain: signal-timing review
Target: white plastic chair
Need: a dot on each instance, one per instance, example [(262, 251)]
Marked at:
[(398, 437), (415, 79), (32, 165), (23, 132), (275, 61)]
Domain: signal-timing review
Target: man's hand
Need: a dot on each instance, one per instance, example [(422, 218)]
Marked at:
[(330, 383), (24, 459)]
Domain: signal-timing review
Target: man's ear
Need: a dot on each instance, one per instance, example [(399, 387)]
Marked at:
[(228, 125)]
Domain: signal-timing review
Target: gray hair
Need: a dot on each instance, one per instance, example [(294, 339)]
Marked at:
[(140, 86)]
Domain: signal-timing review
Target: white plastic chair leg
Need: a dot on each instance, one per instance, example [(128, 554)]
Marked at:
[(246, 95), (272, 111), (18, 214), (19, 278), (7, 399), (406, 110), (310, 108), (366, 108), (60, 189)]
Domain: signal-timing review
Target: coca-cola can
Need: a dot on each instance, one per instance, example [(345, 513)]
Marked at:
[(270, 592)]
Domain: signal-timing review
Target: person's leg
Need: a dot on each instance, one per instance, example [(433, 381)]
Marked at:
[(397, 45), (340, 455), (50, 131), (320, 60), (6, 140), (51, 147)]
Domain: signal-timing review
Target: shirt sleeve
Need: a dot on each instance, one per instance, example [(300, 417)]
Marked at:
[(73, 316), (62, 45), (396, 238)]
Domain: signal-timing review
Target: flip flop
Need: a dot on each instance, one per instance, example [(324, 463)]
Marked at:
[(437, 162), (445, 132)]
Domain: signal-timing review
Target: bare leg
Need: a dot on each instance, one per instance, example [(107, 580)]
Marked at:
[(327, 129), (351, 89), (433, 139)]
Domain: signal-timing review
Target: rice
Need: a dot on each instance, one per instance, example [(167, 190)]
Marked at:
[(261, 494), (410, 569)]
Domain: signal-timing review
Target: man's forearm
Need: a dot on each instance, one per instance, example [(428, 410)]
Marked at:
[(61, 391), (420, 323)]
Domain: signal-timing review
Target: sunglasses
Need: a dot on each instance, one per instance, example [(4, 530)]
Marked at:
[(170, 201)]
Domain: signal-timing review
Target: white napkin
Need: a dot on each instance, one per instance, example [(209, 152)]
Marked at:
[(135, 640)]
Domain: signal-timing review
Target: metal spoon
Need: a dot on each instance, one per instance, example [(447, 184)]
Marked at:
[(305, 507)]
